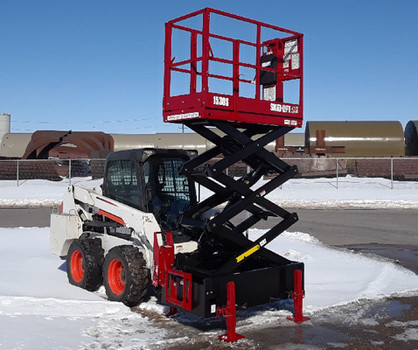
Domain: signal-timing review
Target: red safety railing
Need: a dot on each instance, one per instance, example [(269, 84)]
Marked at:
[(254, 76)]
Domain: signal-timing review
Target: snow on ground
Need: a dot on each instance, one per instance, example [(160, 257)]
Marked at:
[(39, 309), (301, 193), (347, 192), (37, 193)]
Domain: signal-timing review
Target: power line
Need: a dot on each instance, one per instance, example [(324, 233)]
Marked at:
[(100, 121)]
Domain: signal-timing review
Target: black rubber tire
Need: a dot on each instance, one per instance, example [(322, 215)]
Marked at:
[(133, 279), (88, 254)]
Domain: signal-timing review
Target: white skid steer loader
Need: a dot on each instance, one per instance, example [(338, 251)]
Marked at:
[(106, 234)]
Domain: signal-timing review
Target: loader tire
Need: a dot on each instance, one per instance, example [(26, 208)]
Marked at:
[(84, 264), (125, 275)]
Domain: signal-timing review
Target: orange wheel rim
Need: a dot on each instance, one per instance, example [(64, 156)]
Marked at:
[(77, 270), (116, 277)]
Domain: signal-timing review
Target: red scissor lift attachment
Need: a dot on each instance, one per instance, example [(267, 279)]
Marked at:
[(240, 94), (235, 80)]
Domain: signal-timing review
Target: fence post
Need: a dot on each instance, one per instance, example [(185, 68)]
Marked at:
[(337, 172), (391, 173), (17, 173), (69, 170)]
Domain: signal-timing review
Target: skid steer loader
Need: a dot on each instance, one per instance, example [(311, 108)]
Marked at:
[(145, 226), (106, 234)]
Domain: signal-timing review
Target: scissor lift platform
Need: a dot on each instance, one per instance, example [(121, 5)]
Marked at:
[(255, 80), (238, 86)]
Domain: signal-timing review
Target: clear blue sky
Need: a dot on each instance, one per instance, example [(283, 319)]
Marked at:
[(98, 64)]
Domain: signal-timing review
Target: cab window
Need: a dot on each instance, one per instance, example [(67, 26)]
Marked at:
[(122, 182)]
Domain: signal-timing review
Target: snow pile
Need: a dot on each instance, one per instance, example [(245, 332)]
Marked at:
[(335, 276), (300, 193), (36, 296)]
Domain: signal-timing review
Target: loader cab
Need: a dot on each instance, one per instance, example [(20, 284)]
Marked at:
[(149, 180)]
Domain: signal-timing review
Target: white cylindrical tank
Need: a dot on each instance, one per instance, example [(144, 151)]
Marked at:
[(4, 125)]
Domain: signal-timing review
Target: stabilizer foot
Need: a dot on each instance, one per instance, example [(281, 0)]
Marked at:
[(230, 314), (297, 297), (171, 312)]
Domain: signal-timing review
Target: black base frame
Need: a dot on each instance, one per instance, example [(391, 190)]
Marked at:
[(253, 288)]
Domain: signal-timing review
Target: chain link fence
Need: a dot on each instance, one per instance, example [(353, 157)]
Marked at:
[(51, 169), (403, 168)]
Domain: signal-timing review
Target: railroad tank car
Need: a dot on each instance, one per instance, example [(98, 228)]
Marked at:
[(13, 145), (339, 139), (411, 138), (357, 138)]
